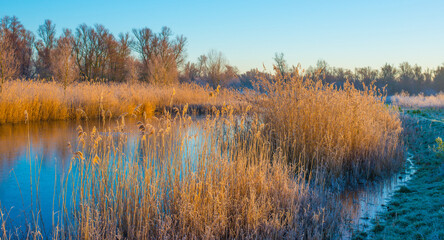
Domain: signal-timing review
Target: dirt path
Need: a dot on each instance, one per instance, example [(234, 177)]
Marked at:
[(416, 211)]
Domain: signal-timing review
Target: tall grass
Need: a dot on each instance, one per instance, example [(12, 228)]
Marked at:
[(47, 100), (211, 180), (256, 175), (343, 132)]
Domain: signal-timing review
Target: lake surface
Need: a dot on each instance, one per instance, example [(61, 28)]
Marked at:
[(34, 157)]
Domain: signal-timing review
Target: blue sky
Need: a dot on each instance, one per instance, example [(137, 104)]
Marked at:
[(344, 33)]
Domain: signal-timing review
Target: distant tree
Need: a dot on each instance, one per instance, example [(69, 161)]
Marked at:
[(321, 72), (366, 75), (406, 77), (190, 73), (251, 78), (324, 72), (321, 66), (45, 46), (216, 70), (99, 55), (133, 66), (8, 65), (438, 81), (280, 63), (388, 73), (231, 75), (340, 75), (202, 65), (419, 79), (21, 42), (63, 64), (121, 59), (428, 80), (83, 48), (216, 67), (160, 55), (388, 78)]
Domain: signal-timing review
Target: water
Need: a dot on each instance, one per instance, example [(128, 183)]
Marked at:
[(31, 156), (34, 157), (363, 204)]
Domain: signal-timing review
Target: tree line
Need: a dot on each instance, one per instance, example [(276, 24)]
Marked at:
[(89, 53), (412, 79), (405, 77), (93, 53)]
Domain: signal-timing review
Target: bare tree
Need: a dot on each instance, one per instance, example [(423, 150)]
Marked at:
[(160, 55), (21, 42), (132, 66), (98, 54), (341, 75), (202, 65), (190, 73), (45, 46), (63, 65), (8, 65), (388, 72), (142, 45), (214, 68), (120, 61), (280, 63), (85, 42), (366, 75)]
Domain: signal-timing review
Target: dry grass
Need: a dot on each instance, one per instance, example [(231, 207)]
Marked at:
[(257, 175), (209, 179), (47, 100), (347, 132), (418, 101)]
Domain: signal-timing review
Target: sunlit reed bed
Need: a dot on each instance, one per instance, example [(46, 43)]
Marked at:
[(153, 186), (49, 100), (271, 172), (345, 133)]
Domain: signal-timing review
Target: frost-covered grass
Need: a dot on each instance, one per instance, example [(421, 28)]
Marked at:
[(416, 211), (418, 101)]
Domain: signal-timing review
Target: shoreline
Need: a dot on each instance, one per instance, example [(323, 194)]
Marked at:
[(416, 210)]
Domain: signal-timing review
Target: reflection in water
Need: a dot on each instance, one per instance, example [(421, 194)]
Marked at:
[(34, 158), (47, 139), (32, 155)]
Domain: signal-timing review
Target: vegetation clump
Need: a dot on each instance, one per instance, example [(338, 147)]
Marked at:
[(226, 188), (343, 132)]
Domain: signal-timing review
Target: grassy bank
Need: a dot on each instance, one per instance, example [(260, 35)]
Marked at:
[(416, 211), (48, 100)]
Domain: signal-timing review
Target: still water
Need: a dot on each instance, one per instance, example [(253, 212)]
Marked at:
[(34, 158)]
